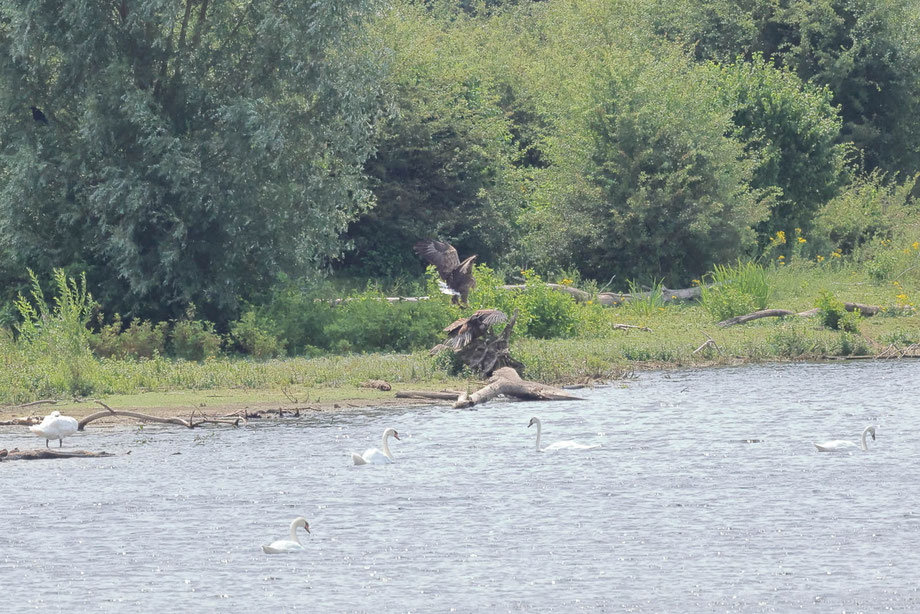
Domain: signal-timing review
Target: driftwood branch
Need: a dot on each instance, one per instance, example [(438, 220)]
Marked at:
[(445, 395), (506, 381), (41, 402), (710, 343), (631, 326), (190, 423), (48, 453), (866, 310)]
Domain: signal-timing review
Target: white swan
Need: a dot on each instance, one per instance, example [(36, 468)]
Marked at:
[(55, 426), (843, 445), (559, 445), (375, 456), (283, 546)]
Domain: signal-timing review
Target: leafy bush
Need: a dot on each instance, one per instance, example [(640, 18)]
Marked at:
[(298, 318), (194, 339), (253, 336), (872, 207), (834, 315), (368, 323), (543, 312), (735, 290), (142, 339), (53, 345)]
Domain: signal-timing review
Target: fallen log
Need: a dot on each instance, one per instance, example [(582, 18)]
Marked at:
[(24, 421), (609, 299), (866, 310), (506, 381), (190, 423), (445, 395), (43, 453)]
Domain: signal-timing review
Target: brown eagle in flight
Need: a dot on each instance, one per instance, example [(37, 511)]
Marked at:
[(457, 276)]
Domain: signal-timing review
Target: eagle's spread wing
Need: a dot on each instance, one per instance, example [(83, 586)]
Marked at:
[(455, 326), (442, 255), (488, 317)]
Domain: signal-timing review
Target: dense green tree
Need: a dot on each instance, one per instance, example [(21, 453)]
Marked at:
[(444, 161), (666, 193), (792, 131), (866, 51), (192, 149)]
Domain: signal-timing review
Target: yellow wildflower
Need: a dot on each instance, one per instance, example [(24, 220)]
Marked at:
[(916, 245), (802, 240), (820, 258), (781, 258)]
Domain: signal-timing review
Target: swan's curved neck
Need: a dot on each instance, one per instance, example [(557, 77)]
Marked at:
[(294, 532), (386, 445), (863, 439), (539, 432)]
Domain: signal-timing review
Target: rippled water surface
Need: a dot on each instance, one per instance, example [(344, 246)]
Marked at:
[(705, 495)]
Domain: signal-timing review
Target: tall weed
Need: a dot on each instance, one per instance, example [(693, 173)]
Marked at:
[(729, 291)]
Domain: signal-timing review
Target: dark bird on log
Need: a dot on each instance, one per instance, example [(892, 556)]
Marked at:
[(464, 330), (457, 276), (38, 116)]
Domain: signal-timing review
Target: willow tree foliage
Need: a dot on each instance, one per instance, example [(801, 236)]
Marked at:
[(192, 149)]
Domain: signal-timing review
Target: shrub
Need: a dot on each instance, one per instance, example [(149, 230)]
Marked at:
[(52, 353), (735, 290), (368, 323), (142, 339), (253, 336), (872, 207), (834, 315), (543, 312), (298, 318), (194, 339)]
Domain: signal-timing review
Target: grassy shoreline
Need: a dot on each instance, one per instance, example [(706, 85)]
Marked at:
[(665, 336)]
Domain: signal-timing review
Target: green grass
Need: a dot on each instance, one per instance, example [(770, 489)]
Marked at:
[(595, 350)]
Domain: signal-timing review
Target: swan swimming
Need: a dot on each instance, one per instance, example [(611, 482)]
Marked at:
[(559, 445), (375, 456), (843, 445), (55, 426), (283, 546)]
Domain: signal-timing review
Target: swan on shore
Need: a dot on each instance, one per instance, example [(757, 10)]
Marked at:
[(376, 456), (55, 426), (283, 546), (844, 445), (559, 445)]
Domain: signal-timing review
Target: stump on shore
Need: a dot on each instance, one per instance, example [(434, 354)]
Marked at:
[(484, 352)]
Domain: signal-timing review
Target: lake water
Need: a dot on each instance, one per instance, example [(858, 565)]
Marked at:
[(707, 495)]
